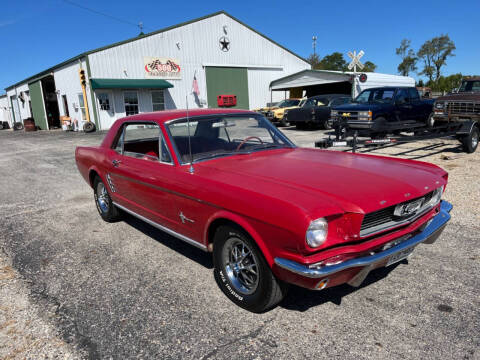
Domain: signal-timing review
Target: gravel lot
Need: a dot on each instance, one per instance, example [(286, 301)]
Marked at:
[(73, 286)]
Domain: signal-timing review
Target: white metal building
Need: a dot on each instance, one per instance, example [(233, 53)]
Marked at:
[(195, 61)]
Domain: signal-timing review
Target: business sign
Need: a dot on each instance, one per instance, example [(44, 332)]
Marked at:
[(162, 68)]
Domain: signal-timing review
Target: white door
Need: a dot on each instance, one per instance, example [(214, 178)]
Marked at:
[(105, 108)]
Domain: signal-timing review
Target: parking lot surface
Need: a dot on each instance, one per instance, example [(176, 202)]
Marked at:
[(73, 286)]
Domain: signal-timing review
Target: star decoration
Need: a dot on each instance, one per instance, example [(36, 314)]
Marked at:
[(224, 43)]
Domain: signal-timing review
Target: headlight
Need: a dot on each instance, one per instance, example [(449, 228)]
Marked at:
[(437, 196), (317, 232), (365, 114), (439, 105)]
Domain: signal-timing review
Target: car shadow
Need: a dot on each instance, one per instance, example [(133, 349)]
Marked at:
[(187, 250), (301, 299)]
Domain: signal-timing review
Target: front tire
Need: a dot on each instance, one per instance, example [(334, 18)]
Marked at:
[(326, 125), (242, 273), (470, 142), (107, 210), (431, 122)]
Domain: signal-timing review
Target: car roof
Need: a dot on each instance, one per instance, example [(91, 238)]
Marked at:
[(329, 96), (166, 115)]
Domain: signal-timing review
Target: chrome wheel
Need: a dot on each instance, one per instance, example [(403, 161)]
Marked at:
[(241, 265), (474, 140), (102, 197)]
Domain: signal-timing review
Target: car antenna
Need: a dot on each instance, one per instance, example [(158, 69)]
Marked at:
[(190, 170)]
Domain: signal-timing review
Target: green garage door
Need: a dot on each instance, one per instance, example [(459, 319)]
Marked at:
[(227, 81), (38, 104)]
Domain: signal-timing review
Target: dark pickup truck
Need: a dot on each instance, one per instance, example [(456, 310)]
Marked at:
[(384, 110), (461, 106)]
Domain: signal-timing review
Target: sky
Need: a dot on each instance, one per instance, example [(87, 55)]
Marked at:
[(37, 34)]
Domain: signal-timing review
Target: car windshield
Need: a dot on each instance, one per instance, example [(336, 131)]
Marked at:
[(316, 102), (288, 103), (219, 136), (376, 95), (470, 86)]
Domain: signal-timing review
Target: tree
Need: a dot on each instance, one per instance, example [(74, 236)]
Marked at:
[(314, 60), (420, 83), (409, 60), (446, 83), (434, 54), (334, 61), (369, 66)]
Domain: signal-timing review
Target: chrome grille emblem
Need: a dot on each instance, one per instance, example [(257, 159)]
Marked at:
[(408, 209)]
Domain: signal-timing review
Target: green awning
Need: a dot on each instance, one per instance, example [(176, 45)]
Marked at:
[(130, 84)]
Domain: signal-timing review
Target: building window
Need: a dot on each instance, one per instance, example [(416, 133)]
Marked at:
[(131, 102), (81, 105), (158, 101), (104, 101), (65, 105)]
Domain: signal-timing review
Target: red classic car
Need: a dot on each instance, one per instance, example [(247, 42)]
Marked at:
[(229, 182)]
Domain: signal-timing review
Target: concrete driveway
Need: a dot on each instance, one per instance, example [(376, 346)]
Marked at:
[(127, 290)]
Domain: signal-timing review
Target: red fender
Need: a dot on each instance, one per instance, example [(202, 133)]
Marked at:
[(243, 223)]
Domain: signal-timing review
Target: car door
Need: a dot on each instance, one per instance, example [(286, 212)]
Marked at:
[(420, 111), (140, 170), (403, 107)]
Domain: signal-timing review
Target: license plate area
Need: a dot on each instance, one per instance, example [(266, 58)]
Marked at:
[(400, 256)]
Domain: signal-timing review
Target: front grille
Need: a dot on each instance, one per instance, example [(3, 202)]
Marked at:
[(384, 219), (463, 107), (353, 115)]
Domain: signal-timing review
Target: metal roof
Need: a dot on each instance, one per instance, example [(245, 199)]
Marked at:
[(309, 78), (84, 54)]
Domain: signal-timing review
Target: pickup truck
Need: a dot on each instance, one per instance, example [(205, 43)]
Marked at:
[(383, 110)]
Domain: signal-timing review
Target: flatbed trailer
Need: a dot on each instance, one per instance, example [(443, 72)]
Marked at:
[(466, 132)]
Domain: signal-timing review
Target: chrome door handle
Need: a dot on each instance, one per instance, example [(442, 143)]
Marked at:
[(116, 162)]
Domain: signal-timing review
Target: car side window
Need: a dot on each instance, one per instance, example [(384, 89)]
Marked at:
[(413, 94), (143, 141), (402, 96), (119, 141)]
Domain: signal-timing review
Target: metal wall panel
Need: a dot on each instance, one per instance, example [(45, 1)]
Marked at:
[(67, 82)]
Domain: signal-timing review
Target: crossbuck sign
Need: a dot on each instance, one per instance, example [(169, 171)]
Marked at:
[(355, 60)]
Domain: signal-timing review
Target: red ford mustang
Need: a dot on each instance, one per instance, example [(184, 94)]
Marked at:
[(229, 182)]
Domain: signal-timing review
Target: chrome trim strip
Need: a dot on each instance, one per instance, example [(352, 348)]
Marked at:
[(163, 228), (431, 232)]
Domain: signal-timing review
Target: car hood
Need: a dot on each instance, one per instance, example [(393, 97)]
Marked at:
[(460, 96), (353, 182), (361, 107)]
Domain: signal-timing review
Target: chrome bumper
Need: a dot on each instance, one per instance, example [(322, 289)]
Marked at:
[(428, 236), (360, 124)]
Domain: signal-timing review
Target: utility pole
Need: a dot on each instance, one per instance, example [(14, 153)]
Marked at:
[(314, 39)]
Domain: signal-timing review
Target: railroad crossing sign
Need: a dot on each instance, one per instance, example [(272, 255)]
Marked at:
[(355, 60)]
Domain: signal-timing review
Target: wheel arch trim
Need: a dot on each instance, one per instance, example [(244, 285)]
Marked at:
[(244, 224)]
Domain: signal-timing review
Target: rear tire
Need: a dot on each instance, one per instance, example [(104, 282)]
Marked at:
[(470, 142), (107, 210), (242, 273), (430, 122)]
